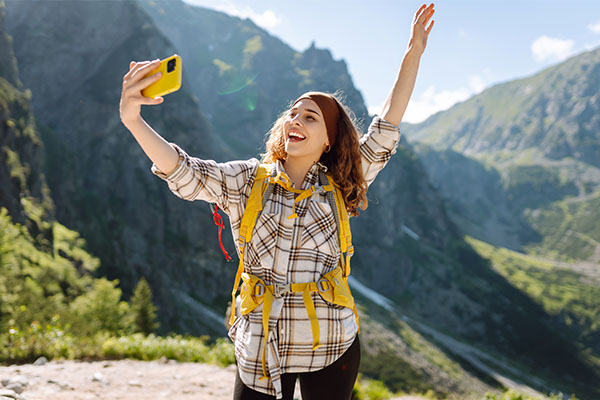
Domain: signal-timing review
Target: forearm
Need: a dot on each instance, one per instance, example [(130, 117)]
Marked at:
[(155, 146), (397, 101)]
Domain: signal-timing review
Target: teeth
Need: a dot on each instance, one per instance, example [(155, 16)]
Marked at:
[(296, 135)]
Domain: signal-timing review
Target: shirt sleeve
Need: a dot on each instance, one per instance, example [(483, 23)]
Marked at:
[(225, 184), (377, 147)]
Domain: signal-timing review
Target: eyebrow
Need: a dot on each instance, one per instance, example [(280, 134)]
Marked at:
[(308, 109)]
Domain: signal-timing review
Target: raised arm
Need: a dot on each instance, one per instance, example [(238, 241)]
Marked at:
[(189, 178), (397, 101)]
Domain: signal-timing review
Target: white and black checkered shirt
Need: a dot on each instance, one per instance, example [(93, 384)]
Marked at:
[(283, 251)]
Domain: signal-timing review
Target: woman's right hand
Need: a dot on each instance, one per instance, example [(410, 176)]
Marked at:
[(131, 94)]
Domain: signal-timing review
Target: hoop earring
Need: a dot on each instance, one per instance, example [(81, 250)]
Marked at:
[(327, 148)]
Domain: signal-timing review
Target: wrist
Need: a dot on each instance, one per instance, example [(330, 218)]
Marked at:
[(132, 123), (413, 52)]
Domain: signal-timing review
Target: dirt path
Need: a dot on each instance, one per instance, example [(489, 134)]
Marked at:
[(120, 380), (123, 379)]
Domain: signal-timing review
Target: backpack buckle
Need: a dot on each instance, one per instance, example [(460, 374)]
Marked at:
[(320, 286), (260, 291), (280, 289)]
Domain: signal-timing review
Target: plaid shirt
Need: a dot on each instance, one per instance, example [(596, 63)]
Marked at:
[(283, 251)]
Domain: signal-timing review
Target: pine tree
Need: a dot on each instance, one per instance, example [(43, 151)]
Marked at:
[(144, 311)]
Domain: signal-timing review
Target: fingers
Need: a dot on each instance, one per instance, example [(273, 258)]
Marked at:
[(146, 82), (428, 17), (425, 13), (429, 28), (143, 68), (132, 69), (419, 12), (149, 101)]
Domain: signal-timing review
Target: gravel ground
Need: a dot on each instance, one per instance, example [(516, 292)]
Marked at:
[(122, 380)]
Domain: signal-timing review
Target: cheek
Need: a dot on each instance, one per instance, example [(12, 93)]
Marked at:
[(322, 134)]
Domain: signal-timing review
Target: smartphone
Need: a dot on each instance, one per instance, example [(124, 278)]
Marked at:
[(170, 80)]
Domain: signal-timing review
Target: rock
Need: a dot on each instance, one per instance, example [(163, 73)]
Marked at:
[(98, 377), (63, 386), (20, 379), (5, 382), (9, 394), (16, 387), (163, 360), (135, 383), (41, 361)]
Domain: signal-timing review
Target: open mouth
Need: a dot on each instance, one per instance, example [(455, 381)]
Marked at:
[(296, 136)]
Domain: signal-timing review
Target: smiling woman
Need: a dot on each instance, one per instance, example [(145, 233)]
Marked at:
[(289, 217), (319, 128)]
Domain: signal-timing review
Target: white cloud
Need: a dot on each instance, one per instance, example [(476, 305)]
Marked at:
[(594, 27), (432, 100), (462, 33), (591, 45), (375, 109), (546, 48), (267, 19)]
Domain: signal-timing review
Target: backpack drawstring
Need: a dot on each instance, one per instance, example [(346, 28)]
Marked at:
[(219, 222)]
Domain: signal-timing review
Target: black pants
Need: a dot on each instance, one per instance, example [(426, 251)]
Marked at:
[(334, 382)]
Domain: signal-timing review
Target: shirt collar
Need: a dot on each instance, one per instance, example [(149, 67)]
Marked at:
[(311, 178)]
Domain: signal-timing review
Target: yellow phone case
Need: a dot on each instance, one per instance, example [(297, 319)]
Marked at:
[(170, 80)]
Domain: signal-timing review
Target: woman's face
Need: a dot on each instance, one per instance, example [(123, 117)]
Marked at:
[(305, 131)]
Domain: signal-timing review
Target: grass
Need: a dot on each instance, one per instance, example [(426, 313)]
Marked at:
[(53, 342), (563, 293)]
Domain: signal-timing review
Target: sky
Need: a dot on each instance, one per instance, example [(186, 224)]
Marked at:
[(473, 44)]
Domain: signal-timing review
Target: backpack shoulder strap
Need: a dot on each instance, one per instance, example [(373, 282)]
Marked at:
[(343, 221), (253, 207)]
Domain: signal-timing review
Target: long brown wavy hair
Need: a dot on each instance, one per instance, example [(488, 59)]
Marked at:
[(343, 160)]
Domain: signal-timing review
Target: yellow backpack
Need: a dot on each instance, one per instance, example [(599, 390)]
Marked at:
[(333, 286)]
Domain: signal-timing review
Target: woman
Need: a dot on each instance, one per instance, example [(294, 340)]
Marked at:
[(295, 236)]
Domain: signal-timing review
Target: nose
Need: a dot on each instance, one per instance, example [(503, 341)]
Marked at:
[(296, 120)]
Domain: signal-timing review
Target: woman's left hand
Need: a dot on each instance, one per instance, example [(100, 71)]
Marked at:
[(420, 31)]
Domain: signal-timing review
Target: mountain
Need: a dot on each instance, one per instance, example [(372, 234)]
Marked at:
[(536, 140), (237, 69), (23, 185), (97, 173), (45, 267), (408, 247), (554, 113)]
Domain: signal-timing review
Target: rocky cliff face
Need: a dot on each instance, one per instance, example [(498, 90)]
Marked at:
[(97, 172), (23, 188), (242, 76)]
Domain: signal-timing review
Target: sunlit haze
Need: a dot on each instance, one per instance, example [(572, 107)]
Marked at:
[(473, 45)]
